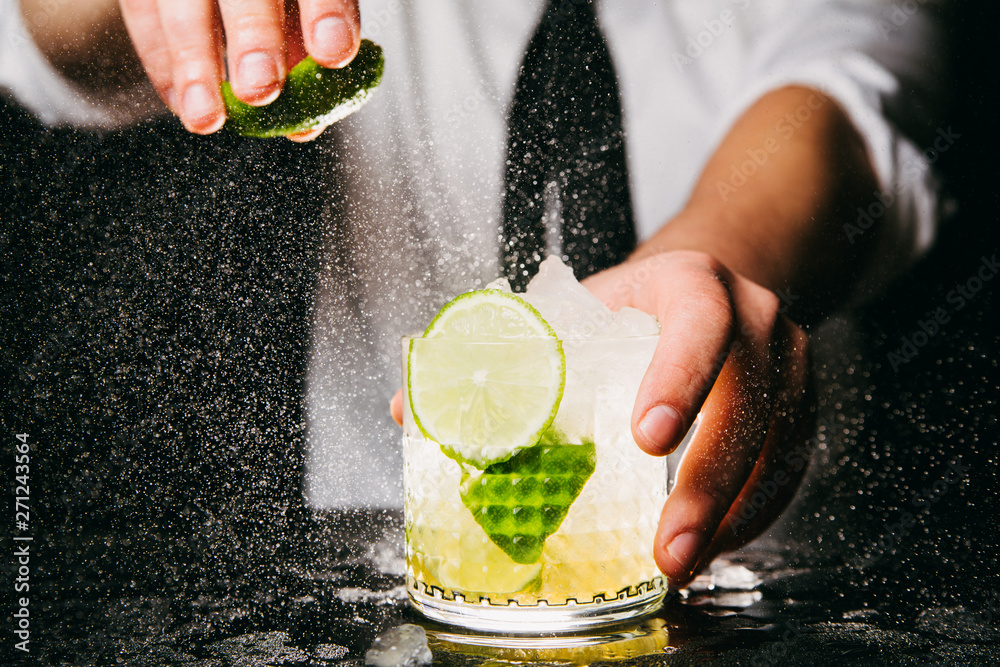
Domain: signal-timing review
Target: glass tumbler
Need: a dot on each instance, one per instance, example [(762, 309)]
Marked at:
[(559, 537)]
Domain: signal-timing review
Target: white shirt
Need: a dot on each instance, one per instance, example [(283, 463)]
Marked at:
[(422, 164)]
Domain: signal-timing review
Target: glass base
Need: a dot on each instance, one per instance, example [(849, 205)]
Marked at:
[(647, 636), (541, 618)]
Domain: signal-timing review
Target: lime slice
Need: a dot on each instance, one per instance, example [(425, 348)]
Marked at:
[(486, 379), (523, 500), (313, 97), (489, 315)]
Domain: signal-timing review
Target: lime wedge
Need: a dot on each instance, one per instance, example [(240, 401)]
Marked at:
[(313, 97), (523, 500), (486, 379)]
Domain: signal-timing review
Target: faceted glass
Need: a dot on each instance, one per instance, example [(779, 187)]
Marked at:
[(558, 539)]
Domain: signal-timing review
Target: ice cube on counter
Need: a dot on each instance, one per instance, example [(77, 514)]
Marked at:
[(733, 577), (403, 646)]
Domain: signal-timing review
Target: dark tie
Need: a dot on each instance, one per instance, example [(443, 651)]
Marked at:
[(566, 151)]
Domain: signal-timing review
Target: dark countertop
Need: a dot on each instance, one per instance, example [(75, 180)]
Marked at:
[(166, 445), (840, 582)]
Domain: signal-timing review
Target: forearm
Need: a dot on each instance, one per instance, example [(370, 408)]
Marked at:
[(771, 202), (85, 40)]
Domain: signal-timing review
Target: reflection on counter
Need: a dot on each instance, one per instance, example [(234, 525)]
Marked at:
[(647, 637)]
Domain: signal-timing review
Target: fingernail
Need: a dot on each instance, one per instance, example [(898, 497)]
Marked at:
[(258, 71), (686, 549), (661, 425), (304, 137), (332, 36), (198, 102)]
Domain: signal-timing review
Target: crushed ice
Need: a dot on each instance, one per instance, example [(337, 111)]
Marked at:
[(403, 646), (388, 557), (364, 595), (727, 576), (573, 310)]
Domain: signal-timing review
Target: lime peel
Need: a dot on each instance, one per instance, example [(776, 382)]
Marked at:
[(521, 501), (313, 97)]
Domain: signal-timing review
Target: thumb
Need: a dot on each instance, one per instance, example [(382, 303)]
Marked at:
[(396, 407)]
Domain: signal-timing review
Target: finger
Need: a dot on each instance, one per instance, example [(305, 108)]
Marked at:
[(142, 20), (331, 30), (302, 137), (396, 407), (786, 452), (193, 37), (705, 310), (294, 46), (734, 421), (690, 293), (716, 466), (255, 48)]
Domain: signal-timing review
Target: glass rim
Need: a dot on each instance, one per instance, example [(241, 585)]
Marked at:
[(588, 339)]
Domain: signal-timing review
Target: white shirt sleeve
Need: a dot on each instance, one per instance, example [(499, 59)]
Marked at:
[(880, 62), (27, 76)]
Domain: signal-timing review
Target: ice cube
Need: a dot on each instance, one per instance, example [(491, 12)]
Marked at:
[(732, 577), (555, 280), (403, 646), (633, 322), (569, 307), (501, 284)]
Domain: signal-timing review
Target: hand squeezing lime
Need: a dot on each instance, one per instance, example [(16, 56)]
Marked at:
[(313, 97)]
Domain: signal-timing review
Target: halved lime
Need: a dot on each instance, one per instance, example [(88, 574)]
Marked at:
[(486, 379), (313, 97)]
